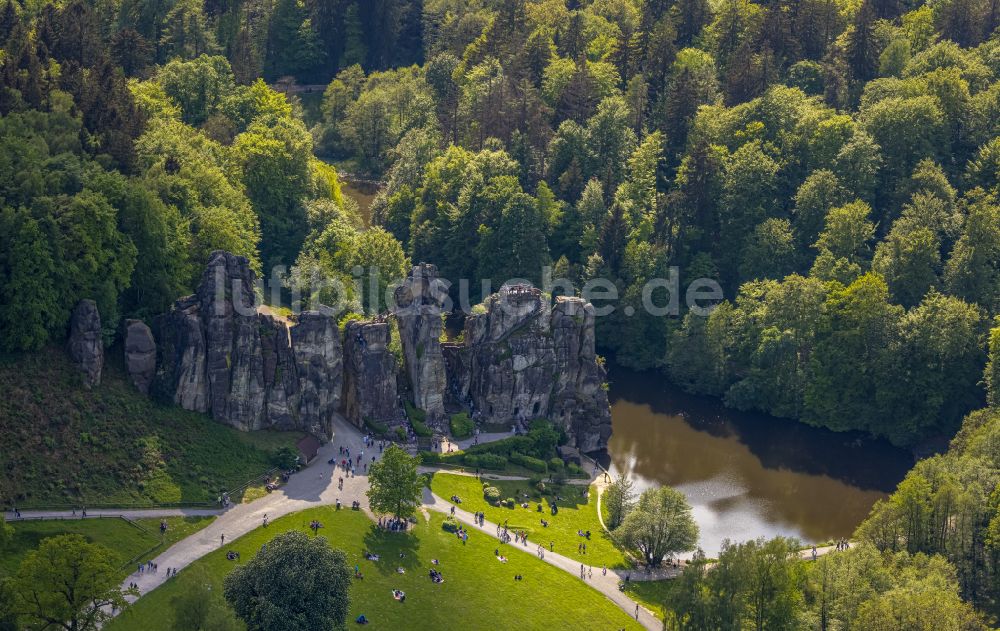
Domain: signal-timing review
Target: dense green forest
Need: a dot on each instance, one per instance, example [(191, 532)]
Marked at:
[(833, 164)]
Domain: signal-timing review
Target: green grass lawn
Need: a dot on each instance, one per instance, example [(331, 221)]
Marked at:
[(654, 595), (575, 513), (64, 444), (478, 593), (125, 539)]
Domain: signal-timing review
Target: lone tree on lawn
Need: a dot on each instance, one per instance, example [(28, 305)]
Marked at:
[(619, 498), (394, 484), (660, 525), (67, 583), (297, 583)]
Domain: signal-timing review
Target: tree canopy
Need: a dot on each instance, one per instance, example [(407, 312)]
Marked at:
[(296, 583), (66, 583), (394, 486)]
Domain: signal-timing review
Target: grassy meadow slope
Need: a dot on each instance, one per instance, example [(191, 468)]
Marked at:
[(60, 443)]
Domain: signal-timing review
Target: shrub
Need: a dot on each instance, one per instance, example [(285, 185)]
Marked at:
[(509, 502), (529, 462), (461, 425), (378, 429), (285, 458), (430, 457), (421, 429), (492, 461), (347, 318), (470, 460), (491, 494), (574, 469), (401, 434), (450, 524), (556, 464), (504, 447), (414, 413)]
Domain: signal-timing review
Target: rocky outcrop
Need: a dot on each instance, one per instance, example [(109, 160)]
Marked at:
[(319, 363), (140, 354), (86, 346), (419, 302), (522, 359), (217, 354), (369, 374), (580, 399), (180, 357)]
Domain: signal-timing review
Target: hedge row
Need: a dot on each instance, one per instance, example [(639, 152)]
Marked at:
[(529, 462)]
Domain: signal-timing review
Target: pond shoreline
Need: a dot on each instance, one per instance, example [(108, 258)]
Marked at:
[(747, 474)]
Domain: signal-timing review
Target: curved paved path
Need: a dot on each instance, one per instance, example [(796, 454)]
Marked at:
[(138, 513), (313, 486), (606, 584), (317, 485)]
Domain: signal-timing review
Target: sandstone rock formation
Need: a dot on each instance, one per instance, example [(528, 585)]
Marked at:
[(319, 364), (217, 354), (86, 347), (180, 357), (418, 311), (522, 360), (140, 354), (369, 374)]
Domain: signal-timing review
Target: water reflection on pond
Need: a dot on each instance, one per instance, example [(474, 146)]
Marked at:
[(747, 475)]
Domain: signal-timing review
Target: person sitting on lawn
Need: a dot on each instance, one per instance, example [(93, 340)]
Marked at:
[(399, 595)]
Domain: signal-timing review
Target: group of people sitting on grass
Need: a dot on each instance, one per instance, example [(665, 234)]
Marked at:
[(436, 576), (393, 524)]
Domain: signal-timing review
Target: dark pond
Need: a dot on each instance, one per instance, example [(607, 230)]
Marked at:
[(747, 475)]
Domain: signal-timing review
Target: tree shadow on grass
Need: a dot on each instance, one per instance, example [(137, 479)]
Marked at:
[(389, 545)]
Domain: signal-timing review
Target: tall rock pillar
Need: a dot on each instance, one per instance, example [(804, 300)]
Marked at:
[(86, 345), (369, 374), (419, 305)]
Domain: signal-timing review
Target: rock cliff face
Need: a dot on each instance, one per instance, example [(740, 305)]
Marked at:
[(522, 360), (140, 354), (86, 347), (419, 303), (217, 354), (369, 374), (319, 363)]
